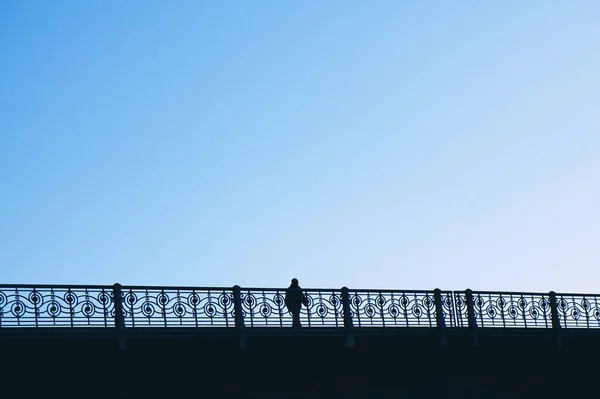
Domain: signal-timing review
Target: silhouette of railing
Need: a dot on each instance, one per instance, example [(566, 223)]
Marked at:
[(56, 306), (138, 307), (265, 307)]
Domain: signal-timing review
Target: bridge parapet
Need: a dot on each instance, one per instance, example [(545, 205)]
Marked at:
[(56, 306), (205, 307)]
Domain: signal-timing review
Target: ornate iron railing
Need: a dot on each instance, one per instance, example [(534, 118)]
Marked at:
[(265, 307), (399, 308), (503, 309), (174, 306), (56, 306), (578, 310), (138, 306)]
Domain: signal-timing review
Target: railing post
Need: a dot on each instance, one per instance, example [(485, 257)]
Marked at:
[(439, 315), (346, 306), (555, 319), (471, 316), (119, 318), (348, 324), (239, 316)]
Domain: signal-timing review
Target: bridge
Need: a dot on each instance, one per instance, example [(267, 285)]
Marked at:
[(137, 341)]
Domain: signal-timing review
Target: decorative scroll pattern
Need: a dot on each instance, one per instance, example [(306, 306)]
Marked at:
[(155, 307), (266, 308), (401, 309), (94, 306), (512, 310), (56, 307), (578, 311)]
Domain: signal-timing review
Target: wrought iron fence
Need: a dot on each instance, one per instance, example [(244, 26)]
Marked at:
[(578, 310), (56, 306), (507, 309), (172, 306), (138, 306), (399, 308), (266, 308)]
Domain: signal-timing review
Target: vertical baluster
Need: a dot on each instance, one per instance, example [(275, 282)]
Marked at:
[(596, 310), (478, 309), (211, 308), (380, 300), (131, 310), (163, 304), (449, 300), (71, 299), (179, 306), (503, 303), (250, 307), (36, 309), (86, 302), (340, 309), (522, 306), (492, 317), (405, 309), (356, 304), (279, 297), (2, 308), (53, 301), (586, 306), (262, 306), (308, 308), (17, 299), (514, 319), (335, 302), (323, 315), (545, 309), (392, 303), (574, 304), (195, 298), (430, 305), (534, 310), (461, 307), (104, 309)]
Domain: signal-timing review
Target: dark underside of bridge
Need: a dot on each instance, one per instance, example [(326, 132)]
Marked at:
[(280, 363)]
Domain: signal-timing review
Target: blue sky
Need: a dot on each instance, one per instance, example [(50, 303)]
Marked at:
[(380, 144)]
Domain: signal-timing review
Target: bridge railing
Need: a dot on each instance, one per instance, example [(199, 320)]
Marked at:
[(177, 307), (139, 306), (503, 309), (265, 307), (578, 310), (56, 306), (396, 308)]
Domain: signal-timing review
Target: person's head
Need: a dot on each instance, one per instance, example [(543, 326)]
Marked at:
[(294, 282)]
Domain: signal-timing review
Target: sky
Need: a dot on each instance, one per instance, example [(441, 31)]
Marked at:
[(368, 144)]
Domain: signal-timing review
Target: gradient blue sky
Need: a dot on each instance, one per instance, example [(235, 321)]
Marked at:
[(384, 144)]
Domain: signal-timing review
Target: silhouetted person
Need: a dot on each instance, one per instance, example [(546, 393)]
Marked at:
[(294, 298)]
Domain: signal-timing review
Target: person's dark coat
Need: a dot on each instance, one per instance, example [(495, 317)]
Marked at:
[(294, 299)]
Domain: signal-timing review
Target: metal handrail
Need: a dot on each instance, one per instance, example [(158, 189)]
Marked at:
[(46, 305)]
